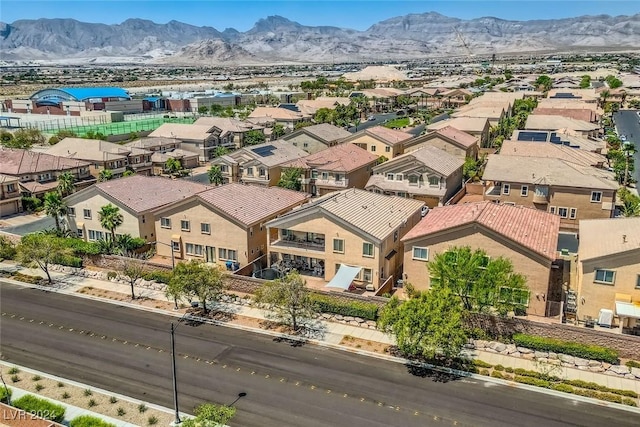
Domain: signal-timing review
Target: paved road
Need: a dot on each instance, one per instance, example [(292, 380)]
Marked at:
[(127, 351), (627, 123), (44, 223), (379, 120)]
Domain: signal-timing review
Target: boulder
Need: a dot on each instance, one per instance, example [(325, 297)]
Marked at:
[(606, 365), (630, 376), (528, 356), (499, 347), (480, 344), (541, 354), (524, 350), (567, 359), (553, 355), (511, 348), (542, 359), (555, 362), (516, 354), (595, 368), (619, 369), (580, 361), (593, 363)]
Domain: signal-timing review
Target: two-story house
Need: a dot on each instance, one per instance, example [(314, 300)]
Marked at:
[(162, 150), (104, 155), (475, 126), (259, 164), (38, 172), (336, 168), (353, 228), (317, 137), (609, 271), (222, 224), (526, 237), (570, 154), (542, 122), (195, 138), (566, 189), (10, 197), (381, 141), (137, 196), (428, 174), (286, 117), (228, 130), (449, 139)]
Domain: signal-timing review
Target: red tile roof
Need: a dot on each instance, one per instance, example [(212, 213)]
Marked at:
[(250, 204), (142, 193), (339, 158), (22, 162), (458, 136), (391, 136), (534, 229)]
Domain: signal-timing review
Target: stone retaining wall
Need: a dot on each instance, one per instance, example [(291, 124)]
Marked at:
[(553, 359)]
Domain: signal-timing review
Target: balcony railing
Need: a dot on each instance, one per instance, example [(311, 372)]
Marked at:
[(317, 245), (333, 182), (541, 195), (493, 191)]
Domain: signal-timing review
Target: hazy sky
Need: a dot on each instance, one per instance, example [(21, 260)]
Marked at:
[(356, 14)]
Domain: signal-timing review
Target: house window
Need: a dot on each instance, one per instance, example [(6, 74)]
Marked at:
[(338, 177), (421, 254), (175, 246), (373, 148), (305, 145), (249, 171), (399, 177), (367, 249), (552, 209), (506, 188), (205, 228), (367, 275), (638, 282), (325, 176), (224, 168), (184, 225), (165, 222), (434, 181), (80, 233), (314, 174), (11, 188), (413, 180), (573, 213), (390, 176), (563, 212), (92, 235), (524, 191), (262, 172), (338, 246), (71, 211), (233, 255), (86, 213), (387, 149), (395, 236), (606, 277), (596, 196), (189, 248), (222, 253)]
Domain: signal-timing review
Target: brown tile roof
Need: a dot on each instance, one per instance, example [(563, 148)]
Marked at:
[(458, 136), (390, 136), (178, 153), (150, 143), (610, 236), (21, 162), (550, 150), (466, 124), (572, 113), (183, 131), (532, 228), (93, 150), (324, 131), (142, 193), (339, 158), (8, 178), (226, 124), (13, 417), (251, 204), (276, 113), (552, 122)]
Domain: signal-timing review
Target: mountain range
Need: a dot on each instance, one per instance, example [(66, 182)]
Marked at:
[(276, 39)]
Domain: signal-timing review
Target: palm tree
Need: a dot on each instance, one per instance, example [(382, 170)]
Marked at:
[(173, 165), (110, 219), (215, 175), (603, 98), (55, 207), (65, 183), (105, 175)]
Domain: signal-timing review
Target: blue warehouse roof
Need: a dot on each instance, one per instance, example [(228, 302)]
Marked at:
[(81, 93)]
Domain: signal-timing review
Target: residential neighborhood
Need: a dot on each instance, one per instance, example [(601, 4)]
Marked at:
[(299, 224)]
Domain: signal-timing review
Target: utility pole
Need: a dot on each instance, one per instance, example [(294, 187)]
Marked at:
[(177, 420)]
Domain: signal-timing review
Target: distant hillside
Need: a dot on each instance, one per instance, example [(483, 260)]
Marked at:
[(278, 39)]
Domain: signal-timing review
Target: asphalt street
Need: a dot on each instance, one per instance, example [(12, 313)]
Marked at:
[(628, 123), (128, 351)]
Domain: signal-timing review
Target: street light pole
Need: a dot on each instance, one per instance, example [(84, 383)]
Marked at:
[(177, 420)]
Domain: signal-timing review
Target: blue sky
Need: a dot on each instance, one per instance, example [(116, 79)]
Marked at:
[(356, 14)]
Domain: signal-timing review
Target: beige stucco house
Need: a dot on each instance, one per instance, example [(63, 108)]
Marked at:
[(222, 224), (609, 270), (137, 196), (352, 227), (475, 126), (527, 237), (313, 139), (10, 197), (566, 189), (380, 141), (334, 169), (227, 131), (449, 139), (427, 174)]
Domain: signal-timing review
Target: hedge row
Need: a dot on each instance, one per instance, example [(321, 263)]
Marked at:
[(81, 247), (592, 352), (40, 407), (532, 381), (158, 276), (4, 393), (327, 304), (598, 387), (89, 421)]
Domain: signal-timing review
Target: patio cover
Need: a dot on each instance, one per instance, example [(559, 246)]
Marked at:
[(344, 277), (627, 309)]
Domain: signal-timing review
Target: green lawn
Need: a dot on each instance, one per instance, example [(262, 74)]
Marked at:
[(123, 128), (397, 123)]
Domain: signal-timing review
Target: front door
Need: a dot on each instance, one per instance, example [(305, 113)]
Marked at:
[(210, 253)]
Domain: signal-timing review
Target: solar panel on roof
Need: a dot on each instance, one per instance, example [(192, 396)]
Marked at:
[(265, 151), (532, 136)]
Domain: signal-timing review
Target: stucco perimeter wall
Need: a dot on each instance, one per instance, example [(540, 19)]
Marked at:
[(628, 346)]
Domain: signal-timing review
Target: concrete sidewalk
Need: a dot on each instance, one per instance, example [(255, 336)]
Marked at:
[(329, 332)]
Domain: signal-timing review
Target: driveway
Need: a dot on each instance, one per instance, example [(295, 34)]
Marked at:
[(26, 223)]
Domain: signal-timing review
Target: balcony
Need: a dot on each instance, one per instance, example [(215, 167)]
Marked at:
[(343, 183), (301, 240), (493, 192), (541, 195)]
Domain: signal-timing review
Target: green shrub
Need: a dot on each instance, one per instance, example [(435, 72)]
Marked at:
[(5, 394), (31, 204), (563, 388), (113, 399), (15, 378), (66, 395), (599, 387), (484, 372), (60, 384), (497, 374), (88, 393), (142, 408), (27, 278), (153, 420), (532, 381), (509, 369), (89, 421), (39, 387), (69, 261), (633, 364), (42, 407), (629, 402), (535, 374), (91, 403), (593, 352), (13, 371), (482, 364), (112, 275), (81, 247), (7, 249), (158, 276), (36, 378), (121, 412), (327, 304), (499, 368)]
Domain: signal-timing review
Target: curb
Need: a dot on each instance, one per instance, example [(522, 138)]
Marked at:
[(325, 344)]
